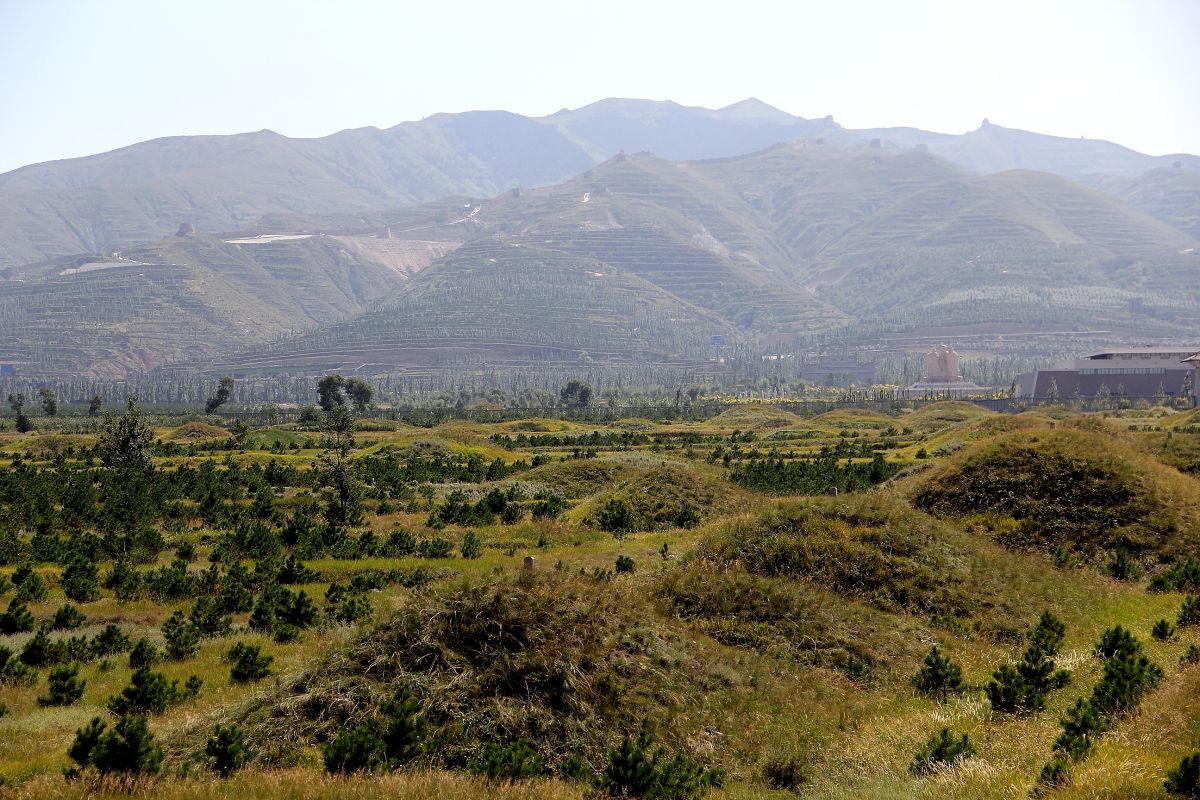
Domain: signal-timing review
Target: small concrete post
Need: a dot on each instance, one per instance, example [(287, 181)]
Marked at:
[(528, 563)]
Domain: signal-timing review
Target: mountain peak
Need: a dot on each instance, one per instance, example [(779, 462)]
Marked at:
[(754, 110)]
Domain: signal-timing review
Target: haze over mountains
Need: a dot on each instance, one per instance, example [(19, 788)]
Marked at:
[(743, 222)]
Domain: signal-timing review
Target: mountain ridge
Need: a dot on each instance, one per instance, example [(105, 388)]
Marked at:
[(143, 191)]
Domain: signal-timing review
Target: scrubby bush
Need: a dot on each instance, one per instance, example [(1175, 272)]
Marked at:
[(1184, 780), (511, 762), (128, 748), (938, 676), (144, 654), (66, 618), (16, 619), (940, 750), (64, 686), (226, 750), (147, 693), (636, 769), (625, 564), (249, 663), (182, 638), (80, 580), (355, 750)]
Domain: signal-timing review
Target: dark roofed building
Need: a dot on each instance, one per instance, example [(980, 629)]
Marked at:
[(1137, 372)]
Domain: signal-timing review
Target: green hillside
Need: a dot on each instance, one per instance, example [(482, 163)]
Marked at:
[(186, 299), (768, 646)]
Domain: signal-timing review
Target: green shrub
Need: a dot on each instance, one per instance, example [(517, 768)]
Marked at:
[(16, 619), (127, 748), (249, 664), (616, 517), (625, 564), (64, 686), (182, 638), (80, 580), (1189, 612), (512, 762), (472, 547), (1184, 780), (938, 676), (636, 770), (147, 693), (358, 749), (1163, 631), (13, 671), (144, 654), (941, 749), (405, 729), (67, 618), (226, 750)]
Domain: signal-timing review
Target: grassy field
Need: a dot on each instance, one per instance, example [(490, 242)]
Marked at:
[(770, 636)]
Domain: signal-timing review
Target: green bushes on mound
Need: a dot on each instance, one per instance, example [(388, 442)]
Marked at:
[(1080, 491), (566, 665), (871, 548)]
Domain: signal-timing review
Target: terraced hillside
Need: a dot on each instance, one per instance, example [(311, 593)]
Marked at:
[(508, 303), (185, 299)]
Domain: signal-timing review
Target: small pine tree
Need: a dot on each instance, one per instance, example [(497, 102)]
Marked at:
[(472, 546), (182, 638), (1123, 567), (64, 686), (405, 729), (512, 762), (1189, 612), (67, 618), (1162, 631), (128, 748), (226, 750), (300, 611), (1009, 693), (17, 619), (938, 676), (1048, 634), (941, 749), (144, 654), (358, 749), (80, 580), (1080, 728), (249, 664), (1184, 780), (147, 693)]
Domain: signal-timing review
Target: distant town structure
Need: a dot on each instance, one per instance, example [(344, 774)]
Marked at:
[(943, 375), (1137, 372)]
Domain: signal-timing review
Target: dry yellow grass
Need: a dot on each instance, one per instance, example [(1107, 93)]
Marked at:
[(302, 784)]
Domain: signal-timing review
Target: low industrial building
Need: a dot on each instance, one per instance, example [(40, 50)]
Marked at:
[(1141, 373)]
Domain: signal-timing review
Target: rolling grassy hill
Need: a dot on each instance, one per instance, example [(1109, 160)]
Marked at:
[(774, 638)]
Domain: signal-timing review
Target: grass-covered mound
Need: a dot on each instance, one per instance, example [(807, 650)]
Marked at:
[(566, 663), (850, 581), (756, 418), (579, 478), (869, 547), (663, 496), (1083, 490), (938, 416), (195, 432)]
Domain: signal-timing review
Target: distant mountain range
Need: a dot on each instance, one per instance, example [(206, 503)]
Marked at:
[(625, 232), (142, 192)]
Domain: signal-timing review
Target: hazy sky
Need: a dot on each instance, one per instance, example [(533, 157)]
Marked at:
[(86, 76)]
